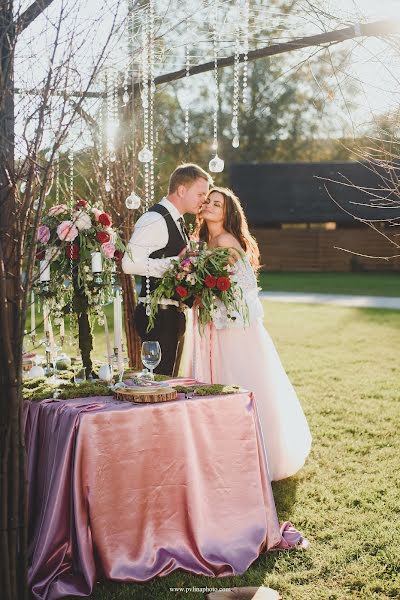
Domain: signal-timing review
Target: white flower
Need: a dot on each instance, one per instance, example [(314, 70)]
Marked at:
[(82, 220), (113, 235), (191, 278)]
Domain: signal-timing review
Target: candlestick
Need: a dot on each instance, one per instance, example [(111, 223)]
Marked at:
[(33, 317), (97, 266), (117, 319), (62, 331), (108, 343), (45, 319)]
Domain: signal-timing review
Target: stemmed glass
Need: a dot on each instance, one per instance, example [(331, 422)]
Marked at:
[(151, 356)]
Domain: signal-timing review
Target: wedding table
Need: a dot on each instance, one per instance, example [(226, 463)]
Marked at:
[(130, 491)]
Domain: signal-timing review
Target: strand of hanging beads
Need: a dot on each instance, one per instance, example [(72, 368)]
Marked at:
[(216, 164)]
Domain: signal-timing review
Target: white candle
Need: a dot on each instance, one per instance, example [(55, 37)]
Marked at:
[(33, 316), (51, 341), (108, 343), (44, 270), (97, 266), (117, 320)]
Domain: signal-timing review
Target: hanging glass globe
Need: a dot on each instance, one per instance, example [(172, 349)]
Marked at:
[(216, 164), (22, 187), (133, 201), (108, 186), (125, 98), (236, 141), (36, 204), (145, 155), (234, 123)]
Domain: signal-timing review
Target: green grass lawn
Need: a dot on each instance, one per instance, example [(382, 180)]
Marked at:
[(369, 284), (344, 364)]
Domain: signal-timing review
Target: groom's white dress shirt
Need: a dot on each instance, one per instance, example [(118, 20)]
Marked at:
[(150, 234)]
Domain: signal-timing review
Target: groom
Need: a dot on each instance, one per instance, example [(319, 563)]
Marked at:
[(159, 237)]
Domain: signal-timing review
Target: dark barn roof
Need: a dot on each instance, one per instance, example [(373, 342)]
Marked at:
[(274, 193)]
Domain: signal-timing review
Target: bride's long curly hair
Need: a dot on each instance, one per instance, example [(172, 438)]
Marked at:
[(235, 222)]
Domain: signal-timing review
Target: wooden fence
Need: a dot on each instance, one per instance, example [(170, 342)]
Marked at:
[(316, 250)]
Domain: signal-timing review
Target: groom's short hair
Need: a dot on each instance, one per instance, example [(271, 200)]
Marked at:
[(187, 174)]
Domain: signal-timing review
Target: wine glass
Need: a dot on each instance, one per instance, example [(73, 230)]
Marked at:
[(151, 356)]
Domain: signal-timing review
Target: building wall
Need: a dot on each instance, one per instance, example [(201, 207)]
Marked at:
[(316, 250)]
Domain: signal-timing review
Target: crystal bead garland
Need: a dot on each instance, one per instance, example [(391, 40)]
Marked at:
[(145, 154), (151, 99), (71, 201), (187, 74), (235, 108), (133, 201), (57, 177), (216, 164), (245, 48), (110, 146), (101, 131)]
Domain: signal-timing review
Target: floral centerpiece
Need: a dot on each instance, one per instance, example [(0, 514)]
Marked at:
[(77, 253), (201, 276)]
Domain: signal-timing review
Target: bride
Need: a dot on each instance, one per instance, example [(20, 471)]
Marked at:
[(234, 352)]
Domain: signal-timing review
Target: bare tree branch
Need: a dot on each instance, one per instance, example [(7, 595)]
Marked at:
[(31, 13)]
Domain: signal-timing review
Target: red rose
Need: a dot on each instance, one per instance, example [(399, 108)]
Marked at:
[(72, 251), (223, 284), (40, 254), (210, 281), (103, 237), (81, 204), (105, 220), (181, 291), (118, 255)]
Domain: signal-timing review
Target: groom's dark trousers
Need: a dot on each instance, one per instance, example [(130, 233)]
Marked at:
[(170, 322), (169, 329)]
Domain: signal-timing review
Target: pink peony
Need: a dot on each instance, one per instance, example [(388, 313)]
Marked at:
[(67, 231), (108, 249), (58, 209), (43, 234)]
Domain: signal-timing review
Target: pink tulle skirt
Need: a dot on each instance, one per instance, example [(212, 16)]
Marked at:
[(247, 357)]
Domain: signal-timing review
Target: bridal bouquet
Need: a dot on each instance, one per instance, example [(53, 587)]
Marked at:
[(202, 276)]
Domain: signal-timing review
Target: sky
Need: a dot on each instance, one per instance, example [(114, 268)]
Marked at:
[(374, 68)]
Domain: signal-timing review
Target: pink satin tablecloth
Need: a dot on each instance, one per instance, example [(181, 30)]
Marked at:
[(128, 491)]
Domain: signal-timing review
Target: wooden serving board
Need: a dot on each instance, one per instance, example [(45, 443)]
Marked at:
[(161, 395)]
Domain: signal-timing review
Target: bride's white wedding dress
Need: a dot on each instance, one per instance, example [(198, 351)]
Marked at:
[(234, 352)]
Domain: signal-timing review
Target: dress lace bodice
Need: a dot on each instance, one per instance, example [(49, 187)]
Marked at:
[(245, 278)]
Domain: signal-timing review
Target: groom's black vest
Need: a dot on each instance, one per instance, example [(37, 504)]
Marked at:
[(175, 244)]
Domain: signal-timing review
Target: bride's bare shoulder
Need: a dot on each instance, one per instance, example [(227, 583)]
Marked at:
[(227, 240)]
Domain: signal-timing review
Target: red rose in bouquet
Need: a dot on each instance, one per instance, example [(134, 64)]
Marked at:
[(223, 284), (72, 251), (103, 236), (105, 220), (81, 204), (210, 281), (118, 255), (181, 291)]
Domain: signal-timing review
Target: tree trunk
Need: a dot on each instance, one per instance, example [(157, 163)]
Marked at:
[(132, 337), (12, 473)]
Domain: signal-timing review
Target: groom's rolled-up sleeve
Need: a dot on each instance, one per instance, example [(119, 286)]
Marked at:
[(150, 234)]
